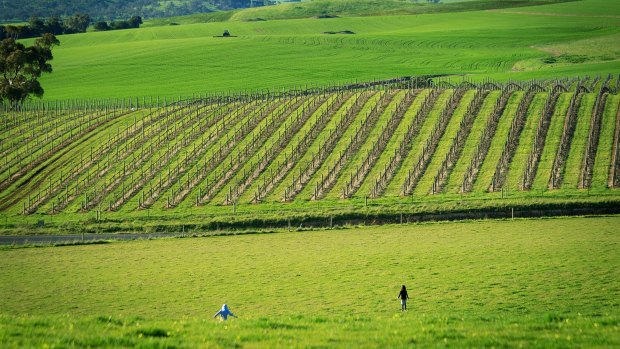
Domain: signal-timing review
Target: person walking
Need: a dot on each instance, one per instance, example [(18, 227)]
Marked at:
[(403, 298), (224, 313)]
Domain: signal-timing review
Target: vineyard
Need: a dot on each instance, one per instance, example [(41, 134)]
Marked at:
[(394, 140)]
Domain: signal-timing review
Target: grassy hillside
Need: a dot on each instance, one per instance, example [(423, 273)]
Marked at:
[(186, 59), (548, 283), (330, 9)]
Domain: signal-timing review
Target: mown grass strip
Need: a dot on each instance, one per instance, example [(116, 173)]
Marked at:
[(381, 173), (585, 177), (454, 182), (552, 143), (514, 175), (427, 181), (314, 154), (360, 163), (486, 139), (603, 163), (357, 138), (496, 146), (412, 150), (574, 159), (287, 159), (279, 138)]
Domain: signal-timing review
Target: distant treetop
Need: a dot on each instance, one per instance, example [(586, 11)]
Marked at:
[(19, 10)]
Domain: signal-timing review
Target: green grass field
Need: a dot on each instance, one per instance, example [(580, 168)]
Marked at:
[(525, 283), (111, 154), (503, 44)]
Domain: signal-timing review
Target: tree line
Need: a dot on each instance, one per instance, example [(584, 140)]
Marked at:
[(19, 10), (55, 25), (133, 22)]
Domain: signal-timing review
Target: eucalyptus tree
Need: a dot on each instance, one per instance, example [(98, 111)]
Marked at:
[(21, 66)]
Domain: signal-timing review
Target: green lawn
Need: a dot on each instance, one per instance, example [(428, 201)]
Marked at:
[(534, 283)]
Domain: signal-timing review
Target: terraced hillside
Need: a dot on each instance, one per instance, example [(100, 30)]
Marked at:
[(394, 141)]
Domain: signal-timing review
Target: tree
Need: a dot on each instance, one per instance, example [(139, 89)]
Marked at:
[(13, 31), (77, 23), (54, 25), (102, 26), (37, 26), (135, 21), (21, 66), (117, 25)]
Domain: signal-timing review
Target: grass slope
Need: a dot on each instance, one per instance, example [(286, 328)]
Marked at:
[(285, 53), (548, 283)]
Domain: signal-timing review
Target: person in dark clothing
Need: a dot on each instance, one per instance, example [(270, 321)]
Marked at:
[(403, 298)]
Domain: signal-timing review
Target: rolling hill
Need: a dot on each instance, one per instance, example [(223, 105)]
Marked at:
[(181, 60)]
